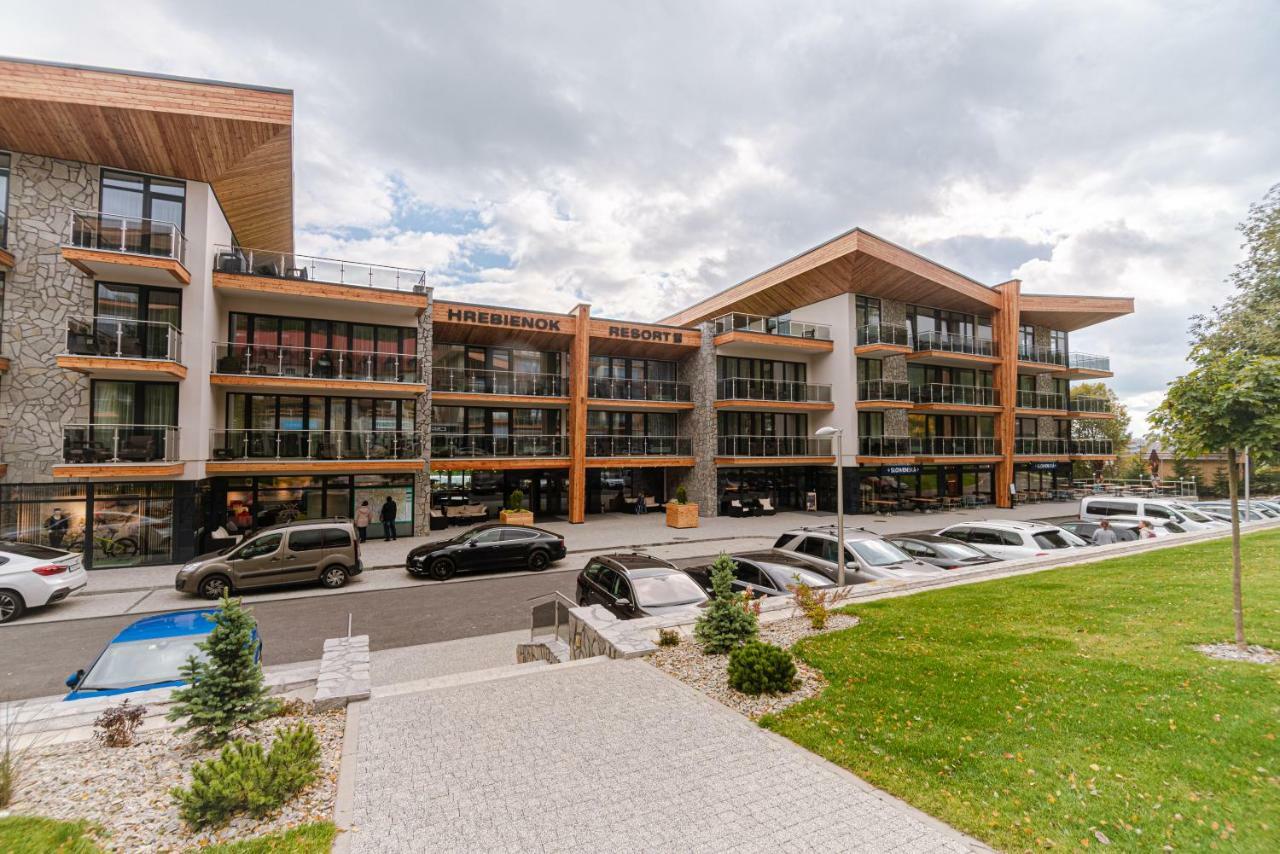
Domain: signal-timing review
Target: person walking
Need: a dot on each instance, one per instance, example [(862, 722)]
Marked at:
[(640, 508), (56, 526), (1104, 536), (388, 517), (364, 515), (1145, 531)]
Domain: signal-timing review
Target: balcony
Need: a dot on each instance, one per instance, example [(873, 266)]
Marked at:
[(122, 348), (884, 446), (1084, 406), (777, 332), (947, 348), (1031, 446), (1081, 366), (607, 450), (746, 393), (479, 385), (314, 451), (955, 446), (883, 338), (1034, 360), (945, 396), (127, 249), (639, 394), (289, 275), (1041, 401), (1092, 448), (883, 394), (472, 450), (272, 367), (777, 450), (119, 450)]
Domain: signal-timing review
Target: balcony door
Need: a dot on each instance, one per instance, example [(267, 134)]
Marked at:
[(149, 206), (118, 310)]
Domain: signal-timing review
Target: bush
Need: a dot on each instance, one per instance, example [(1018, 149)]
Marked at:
[(14, 756), (515, 501), (761, 668), (813, 604), (115, 726), (668, 637), (724, 624), (682, 495), (225, 689), (244, 778)]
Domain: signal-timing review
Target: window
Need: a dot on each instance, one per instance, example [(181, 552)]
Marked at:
[(1058, 340), (984, 537), (4, 198), (867, 310), (144, 197), (819, 548), (1113, 508), (515, 535), (306, 541), (961, 534), (488, 537), (1050, 540), (144, 317), (1155, 511), (336, 538), (264, 545), (1009, 538), (1026, 338), (594, 573), (748, 574)]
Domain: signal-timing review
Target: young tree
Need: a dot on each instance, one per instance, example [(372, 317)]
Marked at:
[(724, 624), (1116, 429), (1229, 402)]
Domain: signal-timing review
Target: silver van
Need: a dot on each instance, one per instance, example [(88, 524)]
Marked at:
[(324, 550), (1095, 508)]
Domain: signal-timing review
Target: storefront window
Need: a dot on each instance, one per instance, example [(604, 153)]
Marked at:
[(44, 514), (133, 524)]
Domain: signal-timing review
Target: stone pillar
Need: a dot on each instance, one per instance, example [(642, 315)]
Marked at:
[(894, 369), (422, 423), (699, 424)]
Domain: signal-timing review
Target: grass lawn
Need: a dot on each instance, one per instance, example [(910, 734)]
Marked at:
[(21, 835), (1068, 707)]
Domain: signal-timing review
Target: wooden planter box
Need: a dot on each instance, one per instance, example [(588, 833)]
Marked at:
[(682, 515), (516, 517)]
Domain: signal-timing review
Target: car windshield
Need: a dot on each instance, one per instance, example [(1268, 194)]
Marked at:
[(141, 662), (958, 551), (879, 552), (662, 591), (1055, 539)]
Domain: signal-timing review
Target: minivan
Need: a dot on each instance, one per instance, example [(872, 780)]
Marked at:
[(1095, 508), (323, 550)]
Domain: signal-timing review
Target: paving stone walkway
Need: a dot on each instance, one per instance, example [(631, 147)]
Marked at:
[(604, 756)]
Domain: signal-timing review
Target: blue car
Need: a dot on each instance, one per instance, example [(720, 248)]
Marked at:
[(147, 654)]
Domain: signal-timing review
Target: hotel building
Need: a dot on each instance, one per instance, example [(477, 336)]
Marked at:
[(169, 364)]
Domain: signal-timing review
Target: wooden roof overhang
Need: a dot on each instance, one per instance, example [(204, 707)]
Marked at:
[(1069, 313)]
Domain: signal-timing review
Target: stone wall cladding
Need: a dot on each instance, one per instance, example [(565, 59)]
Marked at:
[(893, 312), (894, 368), (422, 422), (37, 398), (699, 424)]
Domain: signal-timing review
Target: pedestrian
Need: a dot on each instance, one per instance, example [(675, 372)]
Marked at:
[(57, 526), (1146, 531), (388, 516), (640, 508), (1104, 536), (364, 515)]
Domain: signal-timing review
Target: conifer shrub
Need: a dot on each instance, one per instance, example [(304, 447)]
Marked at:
[(516, 500), (761, 668), (682, 495), (724, 624)]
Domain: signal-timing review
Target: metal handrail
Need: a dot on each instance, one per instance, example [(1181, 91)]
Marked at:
[(106, 336), (611, 388), (638, 446), (1037, 445), (1089, 362), (482, 445), (313, 268), (955, 446), (884, 446), (559, 625), (1092, 446), (1042, 355), (961, 395), (275, 360), (894, 334), (773, 446), (884, 390), (234, 443), (131, 235), (490, 381), (117, 443), (951, 342), (784, 391), (1084, 403), (739, 322), (1040, 400)]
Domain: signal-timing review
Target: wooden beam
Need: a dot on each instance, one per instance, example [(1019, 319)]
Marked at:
[(118, 471), (639, 462), (579, 369), (1004, 325), (262, 381), (111, 365), (91, 261), (313, 466), (639, 405), (477, 399), (776, 405), (500, 464), (782, 342), (775, 461), (319, 290)]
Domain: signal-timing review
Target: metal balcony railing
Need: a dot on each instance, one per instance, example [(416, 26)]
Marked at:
[(782, 391), (479, 445), (236, 444), (885, 333), (1042, 355), (130, 235), (1092, 446), (485, 381), (119, 443), (268, 360), (870, 390), (884, 446), (123, 338), (955, 446), (951, 342), (609, 388), (959, 395), (1027, 445), (773, 446), (1040, 400), (639, 446), (310, 268), (771, 326), (1083, 403), (1089, 362)]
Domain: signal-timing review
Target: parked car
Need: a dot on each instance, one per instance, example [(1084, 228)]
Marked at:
[(942, 552), (1094, 508), (1125, 531), (1222, 510), (148, 653), (867, 556), (638, 585), (766, 573), (490, 546), (1011, 539), (33, 576), (1161, 527), (323, 550)]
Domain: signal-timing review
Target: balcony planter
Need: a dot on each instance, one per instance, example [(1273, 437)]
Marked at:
[(516, 517), (682, 515)]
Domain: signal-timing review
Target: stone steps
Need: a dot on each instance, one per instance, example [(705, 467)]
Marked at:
[(491, 674)]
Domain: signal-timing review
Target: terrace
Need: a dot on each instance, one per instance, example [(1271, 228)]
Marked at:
[(127, 248), (122, 348), (294, 275), (781, 332)]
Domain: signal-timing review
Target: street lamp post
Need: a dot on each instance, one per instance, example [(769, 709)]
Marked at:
[(838, 433)]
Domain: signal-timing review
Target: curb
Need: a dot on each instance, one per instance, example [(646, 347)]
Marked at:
[(344, 798)]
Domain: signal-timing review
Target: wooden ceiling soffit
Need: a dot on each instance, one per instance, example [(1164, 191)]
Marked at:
[(464, 323), (1069, 313)]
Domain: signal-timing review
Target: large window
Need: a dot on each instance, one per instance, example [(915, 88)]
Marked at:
[(130, 320), (1058, 340), (868, 311), (4, 199), (336, 348), (144, 197), (1026, 338), (475, 358), (763, 424), (118, 402), (623, 368), (925, 374), (923, 319), (265, 425), (728, 367)]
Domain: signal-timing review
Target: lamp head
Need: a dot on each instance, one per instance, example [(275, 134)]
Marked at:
[(828, 431)]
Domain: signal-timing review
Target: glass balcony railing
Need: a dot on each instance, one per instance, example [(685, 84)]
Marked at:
[(130, 235), (782, 391), (123, 338), (881, 390), (1040, 400), (609, 388), (1084, 403), (1042, 355), (119, 443), (771, 326), (884, 333), (484, 381), (773, 446), (315, 444), (639, 446), (266, 360), (1089, 362), (1086, 447), (959, 395), (467, 445), (310, 268), (954, 446), (1025, 445), (884, 446), (951, 342)]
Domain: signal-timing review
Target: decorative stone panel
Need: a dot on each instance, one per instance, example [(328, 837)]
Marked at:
[(422, 423), (894, 368), (893, 312), (699, 424)]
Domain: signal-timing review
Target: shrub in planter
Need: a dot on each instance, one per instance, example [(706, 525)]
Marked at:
[(761, 668), (682, 495), (724, 624), (515, 501), (116, 726)]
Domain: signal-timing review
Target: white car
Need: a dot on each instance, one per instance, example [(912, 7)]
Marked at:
[(1161, 527), (868, 556), (1095, 508), (33, 576), (1011, 539)]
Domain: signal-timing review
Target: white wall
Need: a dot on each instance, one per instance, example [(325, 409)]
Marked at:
[(839, 368)]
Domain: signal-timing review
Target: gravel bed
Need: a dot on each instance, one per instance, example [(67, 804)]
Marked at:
[(1254, 653), (710, 673), (125, 790)]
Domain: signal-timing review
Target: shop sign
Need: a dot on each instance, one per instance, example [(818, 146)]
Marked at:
[(900, 469), (643, 333), (1044, 466), (499, 318), (439, 428)]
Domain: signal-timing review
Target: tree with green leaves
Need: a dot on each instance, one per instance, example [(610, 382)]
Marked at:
[(1116, 429), (724, 624), (224, 689)]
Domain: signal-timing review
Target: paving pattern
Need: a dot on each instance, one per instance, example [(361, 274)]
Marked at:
[(606, 756)]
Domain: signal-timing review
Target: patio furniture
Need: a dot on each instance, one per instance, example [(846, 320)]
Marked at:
[(139, 448), (651, 503), (468, 514), (736, 508), (766, 507), (437, 520)]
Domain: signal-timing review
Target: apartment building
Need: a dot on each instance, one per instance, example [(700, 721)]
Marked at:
[(170, 365)]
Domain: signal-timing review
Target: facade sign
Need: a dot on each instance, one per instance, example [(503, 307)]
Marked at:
[(900, 469), (640, 333), (1044, 466), (504, 319)]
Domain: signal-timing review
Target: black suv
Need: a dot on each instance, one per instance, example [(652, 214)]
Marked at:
[(490, 546), (637, 585)]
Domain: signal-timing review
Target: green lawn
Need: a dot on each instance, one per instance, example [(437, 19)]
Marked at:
[(1043, 710), (21, 835)]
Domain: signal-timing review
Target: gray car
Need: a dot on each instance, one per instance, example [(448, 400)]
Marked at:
[(324, 551)]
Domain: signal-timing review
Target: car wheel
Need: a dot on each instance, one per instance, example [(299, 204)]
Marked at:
[(539, 560), (442, 569), (11, 605), (215, 587), (334, 577)]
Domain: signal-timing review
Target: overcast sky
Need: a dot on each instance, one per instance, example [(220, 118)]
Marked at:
[(642, 155)]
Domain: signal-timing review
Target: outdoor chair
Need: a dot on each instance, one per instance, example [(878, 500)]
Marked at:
[(766, 507), (736, 508), (651, 503), (437, 519), (139, 448)]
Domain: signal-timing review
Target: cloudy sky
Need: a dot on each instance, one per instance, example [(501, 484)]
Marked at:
[(641, 155)]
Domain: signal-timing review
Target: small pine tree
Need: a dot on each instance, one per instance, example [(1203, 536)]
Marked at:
[(682, 495), (516, 500), (724, 624), (225, 689)]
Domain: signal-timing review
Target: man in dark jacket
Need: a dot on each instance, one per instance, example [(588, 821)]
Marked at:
[(388, 517)]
